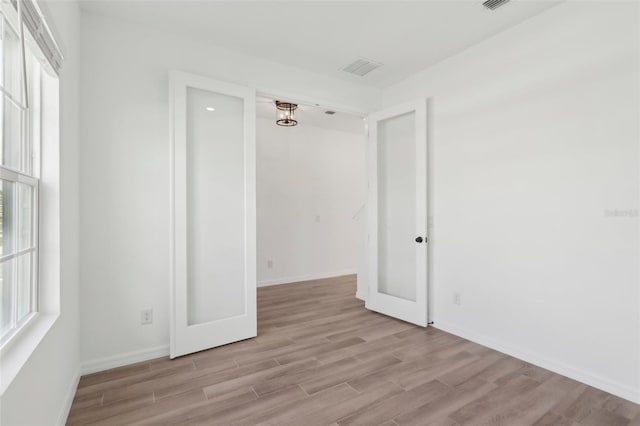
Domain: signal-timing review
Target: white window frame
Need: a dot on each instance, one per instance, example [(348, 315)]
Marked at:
[(27, 176), (20, 323), (42, 129)]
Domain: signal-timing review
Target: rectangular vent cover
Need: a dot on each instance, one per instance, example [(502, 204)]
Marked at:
[(494, 4), (361, 67)]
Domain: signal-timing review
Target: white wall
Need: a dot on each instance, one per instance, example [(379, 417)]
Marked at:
[(125, 172), (310, 187), (40, 394), (534, 143)]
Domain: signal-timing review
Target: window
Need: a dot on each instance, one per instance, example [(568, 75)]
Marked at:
[(20, 76), (30, 60)]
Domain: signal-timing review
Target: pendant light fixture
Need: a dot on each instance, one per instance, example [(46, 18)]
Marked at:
[(285, 114)]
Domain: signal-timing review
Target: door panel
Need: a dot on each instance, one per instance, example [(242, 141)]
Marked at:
[(215, 206), (397, 160), (396, 206), (213, 203)]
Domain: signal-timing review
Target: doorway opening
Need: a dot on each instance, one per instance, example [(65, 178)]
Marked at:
[(311, 191)]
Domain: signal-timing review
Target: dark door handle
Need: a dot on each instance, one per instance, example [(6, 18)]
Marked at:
[(419, 240)]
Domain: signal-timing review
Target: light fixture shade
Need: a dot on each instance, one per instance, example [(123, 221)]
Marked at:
[(285, 114)]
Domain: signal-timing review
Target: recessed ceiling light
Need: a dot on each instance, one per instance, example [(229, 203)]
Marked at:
[(210, 109)]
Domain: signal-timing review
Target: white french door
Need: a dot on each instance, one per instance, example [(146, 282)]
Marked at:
[(213, 200), (397, 212)]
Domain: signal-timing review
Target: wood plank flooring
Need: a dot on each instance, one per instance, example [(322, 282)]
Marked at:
[(321, 358)]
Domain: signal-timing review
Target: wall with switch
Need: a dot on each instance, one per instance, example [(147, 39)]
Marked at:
[(311, 188)]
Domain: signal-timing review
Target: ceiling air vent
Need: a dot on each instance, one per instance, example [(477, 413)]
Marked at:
[(361, 67), (494, 4)]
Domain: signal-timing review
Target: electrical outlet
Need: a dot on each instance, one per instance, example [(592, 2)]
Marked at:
[(146, 316), (269, 264), (457, 298)]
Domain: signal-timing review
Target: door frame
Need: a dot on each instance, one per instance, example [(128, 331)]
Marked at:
[(178, 82), (315, 101), (414, 312)]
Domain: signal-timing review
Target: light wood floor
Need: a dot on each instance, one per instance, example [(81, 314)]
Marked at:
[(321, 358)]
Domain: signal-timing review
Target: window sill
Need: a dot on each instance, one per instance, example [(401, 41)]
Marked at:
[(18, 351)]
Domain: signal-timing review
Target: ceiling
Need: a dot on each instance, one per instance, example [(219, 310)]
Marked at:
[(310, 115), (324, 36)]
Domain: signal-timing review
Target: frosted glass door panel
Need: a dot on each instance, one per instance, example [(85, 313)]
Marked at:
[(213, 213), (397, 212), (397, 206), (215, 206)]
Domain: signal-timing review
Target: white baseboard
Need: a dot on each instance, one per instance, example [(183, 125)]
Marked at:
[(68, 399), (106, 363), (559, 367), (287, 280), (120, 360), (114, 361)]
